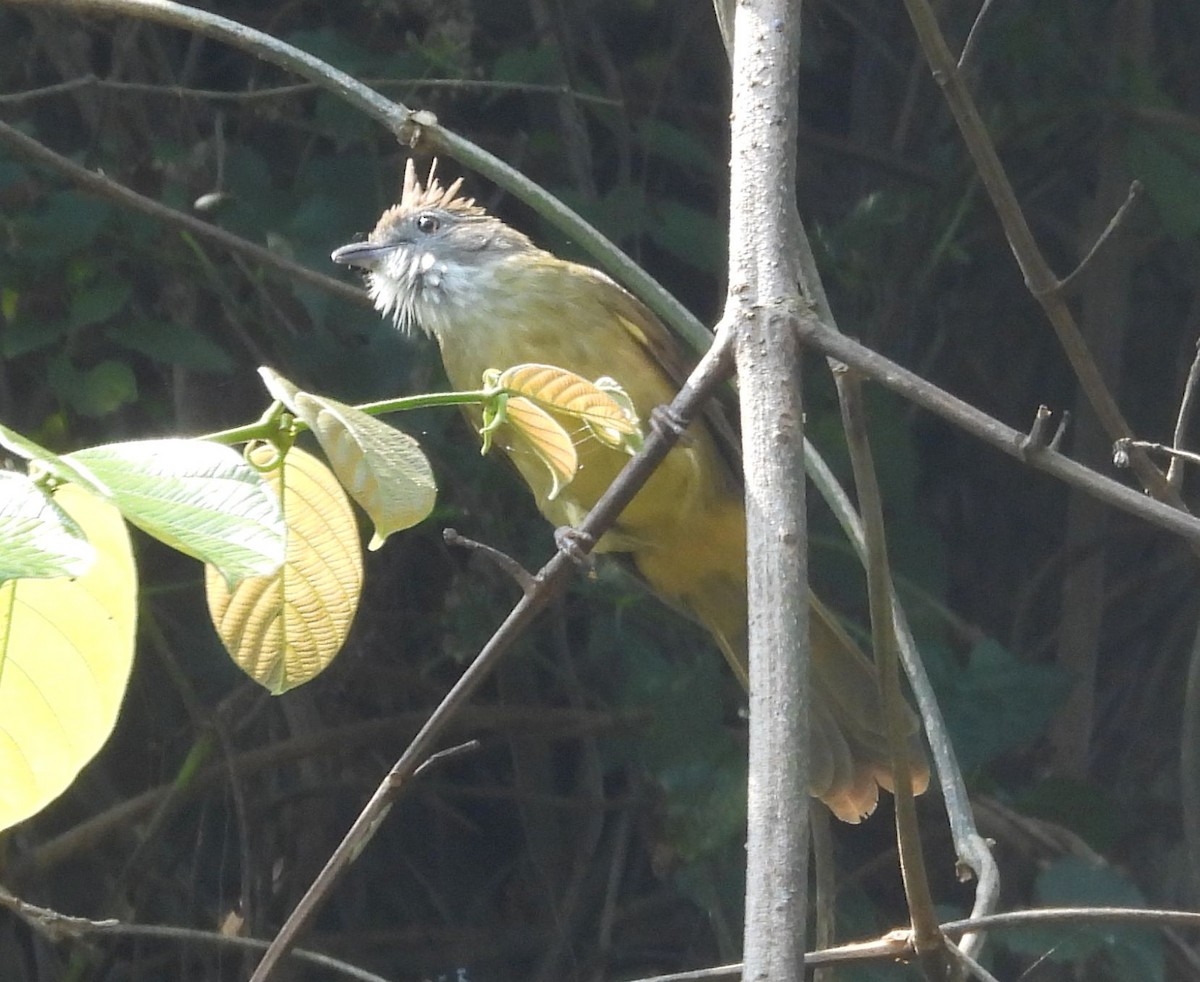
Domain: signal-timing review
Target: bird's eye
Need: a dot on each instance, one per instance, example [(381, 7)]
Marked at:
[(428, 224)]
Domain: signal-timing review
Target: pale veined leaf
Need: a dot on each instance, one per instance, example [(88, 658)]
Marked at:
[(284, 629), (384, 469), (609, 418), (540, 432)]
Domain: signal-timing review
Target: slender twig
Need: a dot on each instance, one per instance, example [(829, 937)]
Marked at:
[(1186, 406), (104, 187), (1038, 437), (1122, 448), (55, 926), (1075, 915), (1064, 424), (1039, 278), (973, 851), (504, 562), (971, 965), (713, 369), (300, 88), (1189, 763), (433, 760), (929, 942), (1068, 282), (411, 129), (910, 385), (968, 47)]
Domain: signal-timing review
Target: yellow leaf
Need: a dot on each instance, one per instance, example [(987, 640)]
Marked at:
[(66, 648), (540, 432), (284, 629), (556, 389)]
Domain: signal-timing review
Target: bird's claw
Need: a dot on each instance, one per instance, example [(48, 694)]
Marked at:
[(666, 420), (575, 543)]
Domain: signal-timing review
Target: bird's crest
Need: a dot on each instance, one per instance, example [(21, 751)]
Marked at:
[(431, 194)]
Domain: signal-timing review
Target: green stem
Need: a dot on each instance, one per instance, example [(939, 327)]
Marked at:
[(268, 424)]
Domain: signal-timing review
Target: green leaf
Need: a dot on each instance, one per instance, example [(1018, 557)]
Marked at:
[(66, 648), (97, 303), (171, 344), (331, 46), (995, 703), (24, 334), (198, 497), (662, 139), (37, 537), (689, 234), (94, 391), (1168, 169), (536, 65), (686, 744), (67, 222)]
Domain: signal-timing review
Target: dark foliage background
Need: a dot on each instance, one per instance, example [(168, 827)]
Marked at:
[(598, 830)]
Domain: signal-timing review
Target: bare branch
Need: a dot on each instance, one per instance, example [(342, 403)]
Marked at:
[(56, 926), (1039, 278), (973, 36), (928, 940), (1186, 407), (1119, 216), (992, 431), (523, 578)]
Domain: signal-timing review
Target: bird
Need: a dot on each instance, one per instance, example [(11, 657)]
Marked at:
[(439, 264)]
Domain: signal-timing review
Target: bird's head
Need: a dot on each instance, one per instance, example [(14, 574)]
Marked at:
[(432, 253)]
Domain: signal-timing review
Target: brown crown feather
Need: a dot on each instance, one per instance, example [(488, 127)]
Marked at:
[(417, 196)]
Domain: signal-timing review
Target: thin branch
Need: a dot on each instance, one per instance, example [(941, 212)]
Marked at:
[(928, 940), (973, 850), (1039, 278), (300, 88), (109, 189), (1038, 437), (55, 927), (436, 759), (1075, 915), (1122, 448), (973, 36), (504, 562), (979, 424), (1186, 406), (713, 369), (897, 945), (411, 129), (1119, 216), (971, 965), (1189, 763)]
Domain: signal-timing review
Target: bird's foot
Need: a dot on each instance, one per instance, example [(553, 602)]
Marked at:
[(576, 544), (668, 422)]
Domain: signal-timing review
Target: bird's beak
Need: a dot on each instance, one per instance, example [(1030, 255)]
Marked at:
[(366, 255)]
